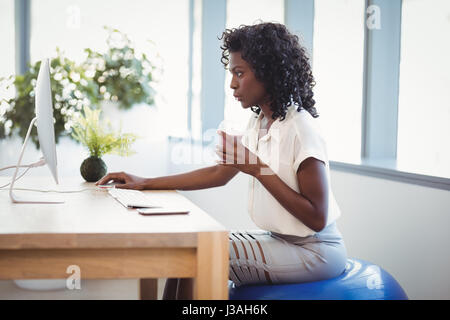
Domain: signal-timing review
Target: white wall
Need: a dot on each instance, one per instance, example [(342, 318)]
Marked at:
[(401, 227)]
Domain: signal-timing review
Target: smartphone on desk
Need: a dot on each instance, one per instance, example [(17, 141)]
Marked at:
[(161, 211)]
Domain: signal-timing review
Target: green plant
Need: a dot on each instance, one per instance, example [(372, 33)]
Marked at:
[(98, 136), (71, 90), (121, 74)]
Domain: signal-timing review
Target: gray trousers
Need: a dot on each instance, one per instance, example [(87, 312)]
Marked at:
[(264, 257)]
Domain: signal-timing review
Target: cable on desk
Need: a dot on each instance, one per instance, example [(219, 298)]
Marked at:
[(34, 165), (58, 191), (4, 186), (39, 163)]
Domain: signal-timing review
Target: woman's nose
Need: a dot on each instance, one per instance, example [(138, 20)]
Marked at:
[(233, 84)]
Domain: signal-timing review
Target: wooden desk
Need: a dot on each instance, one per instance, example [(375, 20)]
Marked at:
[(107, 241)]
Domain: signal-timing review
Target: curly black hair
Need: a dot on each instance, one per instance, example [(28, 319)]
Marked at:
[(278, 61)]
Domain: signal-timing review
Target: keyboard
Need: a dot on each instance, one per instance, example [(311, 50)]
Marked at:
[(133, 198)]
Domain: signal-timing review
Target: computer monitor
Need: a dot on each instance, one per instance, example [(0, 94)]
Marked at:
[(44, 115), (46, 134)]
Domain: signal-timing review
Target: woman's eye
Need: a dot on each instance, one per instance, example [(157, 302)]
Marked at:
[(239, 74)]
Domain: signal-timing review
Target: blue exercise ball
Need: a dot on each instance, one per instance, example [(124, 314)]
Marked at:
[(361, 280)]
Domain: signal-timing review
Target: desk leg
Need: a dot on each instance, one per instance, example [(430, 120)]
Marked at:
[(148, 289), (212, 266)]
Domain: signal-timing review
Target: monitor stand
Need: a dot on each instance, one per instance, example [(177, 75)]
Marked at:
[(29, 199)]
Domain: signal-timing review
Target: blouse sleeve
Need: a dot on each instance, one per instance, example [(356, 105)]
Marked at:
[(308, 142)]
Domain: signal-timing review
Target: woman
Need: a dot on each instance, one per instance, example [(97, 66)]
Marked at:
[(283, 151)]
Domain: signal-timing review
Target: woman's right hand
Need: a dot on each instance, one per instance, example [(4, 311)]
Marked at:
[(125, 180)]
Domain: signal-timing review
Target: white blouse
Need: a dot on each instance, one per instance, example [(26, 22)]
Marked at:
[(284, 147)]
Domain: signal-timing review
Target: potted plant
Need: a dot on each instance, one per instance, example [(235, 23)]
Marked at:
[(122, 75), (100, 139), (119, 76), (71, 90)]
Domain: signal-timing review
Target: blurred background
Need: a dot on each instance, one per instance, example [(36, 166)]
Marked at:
[(382, 91)]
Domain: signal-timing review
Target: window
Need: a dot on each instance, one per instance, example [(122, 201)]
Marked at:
[(196, 123), (7, 59), (424, 96), (247, 12), (75, 25), (338, 51)]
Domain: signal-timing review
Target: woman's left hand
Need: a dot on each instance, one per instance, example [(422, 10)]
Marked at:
[(235, 154)]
